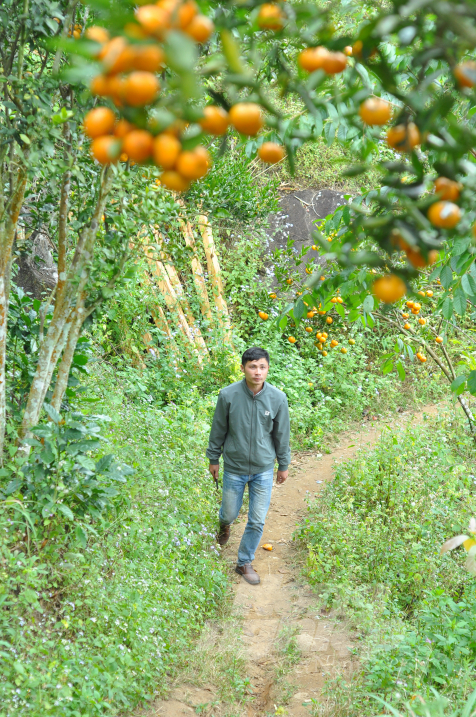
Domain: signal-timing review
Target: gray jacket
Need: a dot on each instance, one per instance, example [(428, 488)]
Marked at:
[(251, 431)]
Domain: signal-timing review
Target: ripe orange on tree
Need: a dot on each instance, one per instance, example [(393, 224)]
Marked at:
[(166, 150), (289, 281), (421, 357), (270, 17), (272, 295), (375, 111), (444, 214), (403, 138), (422, 321), (194, 164), (334, 63), (351, 342), (174, 181), (429, 293), (343, 350), (329, 320), (154, 20), (99, 86), (439, 339), (291, 339), (140, 88), (271, 152), (409, 304), (417, 259), (148, 58), (334, 343), (99, 121), (310, 314), (200, 29), (312, 58), (308, 329), (465, 73), (97, 34), (389, 288), (405, 316), (324, 353), (263, 315), (447, 189), (348, 50), (215, 120), (106, 149), (407, 326), (247, 118), (122, 128), (138, 145)]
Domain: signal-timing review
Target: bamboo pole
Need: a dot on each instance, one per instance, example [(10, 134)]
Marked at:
[(214, 272), (171, 299), (197, 271)]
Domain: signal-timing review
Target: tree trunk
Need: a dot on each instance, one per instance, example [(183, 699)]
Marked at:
[(67, 358)]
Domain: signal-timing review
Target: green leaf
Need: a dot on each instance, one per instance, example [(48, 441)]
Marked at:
[(458, 385), (65, 510), (468, 285), (299, 309), (52, 413), (80, 359), (459, 303), (472, 382), (401, 370), (446, 277), (368, 304), (354, 315), (81, 536), (340, 310), (447, 308), (25, 139)]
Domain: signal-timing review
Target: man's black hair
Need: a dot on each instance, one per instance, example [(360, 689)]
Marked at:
[(254, 354)]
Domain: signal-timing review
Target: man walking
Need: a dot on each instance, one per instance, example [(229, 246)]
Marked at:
[(251, 428)]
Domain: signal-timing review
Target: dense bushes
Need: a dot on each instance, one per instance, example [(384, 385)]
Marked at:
[(374, 536)]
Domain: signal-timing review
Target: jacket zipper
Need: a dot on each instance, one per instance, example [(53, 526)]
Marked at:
[(251, 436)]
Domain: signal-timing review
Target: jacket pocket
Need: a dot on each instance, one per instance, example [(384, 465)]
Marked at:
[(266, 421), (229, 449)]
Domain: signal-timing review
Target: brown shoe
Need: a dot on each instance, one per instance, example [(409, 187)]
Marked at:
[(248, 572), (223, 534)]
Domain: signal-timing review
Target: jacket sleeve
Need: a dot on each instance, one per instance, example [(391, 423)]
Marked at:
[(281, 429), (218, 431)]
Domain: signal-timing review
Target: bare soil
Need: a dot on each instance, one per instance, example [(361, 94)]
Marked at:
[(283, 603)]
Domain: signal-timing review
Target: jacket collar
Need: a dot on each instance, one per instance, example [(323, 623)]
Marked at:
[(249, 391)]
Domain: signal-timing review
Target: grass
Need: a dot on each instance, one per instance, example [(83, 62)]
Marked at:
[(373, 539)]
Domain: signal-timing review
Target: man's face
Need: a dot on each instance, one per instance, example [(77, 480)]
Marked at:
[(255, 371)]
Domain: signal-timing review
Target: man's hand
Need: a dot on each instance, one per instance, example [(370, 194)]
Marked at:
[(281, 476), (214, 470)]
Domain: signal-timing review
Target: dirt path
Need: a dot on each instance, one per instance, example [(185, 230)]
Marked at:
[(283, 605)]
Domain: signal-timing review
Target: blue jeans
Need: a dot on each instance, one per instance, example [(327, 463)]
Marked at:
[(259, 486)]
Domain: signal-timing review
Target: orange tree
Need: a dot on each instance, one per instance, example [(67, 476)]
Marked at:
[(169, 78)]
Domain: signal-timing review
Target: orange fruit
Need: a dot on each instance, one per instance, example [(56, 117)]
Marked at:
[(444, 214), (343, 350), (291, 339), (97, 34), (334, 62), (352, 342), (154, 20), (272, 295), (174, 181), (115, 89), (421, 357), (267, 546), (289, 281), (348, 50), (403, 138), (99, 121), (417, 259), (122, 128), (375, 111), (334, 342), (123, 157), (140, 88), (270, 17), (409, 304), (324, 353), (134, 31), (106, 149), (117, 56), (329, 320), (149, 58), (389, 288), (312, 58), (429, 293), (247, 118), (439, 339), (200, 29), (416, 307), (215, 120), (422, 322), (138, 145), (194, 164), (186, 12), (99, 86), (310, 314), (447, 189), (308, 329), (340, 300), (333, 300), (406, 326), (271, 152), (405, 316), (263, 315), (166, 150), (465, 73)]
